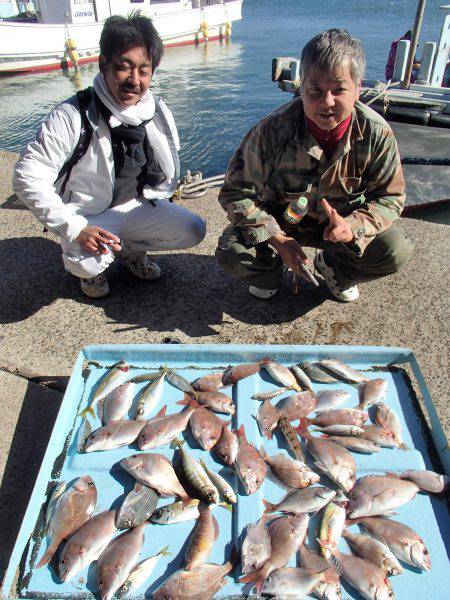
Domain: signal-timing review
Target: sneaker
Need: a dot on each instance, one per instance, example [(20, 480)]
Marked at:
[(142, 267), (261, 293), (349, 294), (95, 287)]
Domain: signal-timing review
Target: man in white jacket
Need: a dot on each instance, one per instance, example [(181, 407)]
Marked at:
[(113, 199)]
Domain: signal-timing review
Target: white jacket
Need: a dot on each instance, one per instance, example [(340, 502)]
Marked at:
[(89, 189)]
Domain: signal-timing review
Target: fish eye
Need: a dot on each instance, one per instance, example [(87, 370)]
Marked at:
[(157, 513)]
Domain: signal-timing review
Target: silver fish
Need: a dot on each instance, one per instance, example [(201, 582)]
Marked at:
[(115, 405), (155, 471), (297, 406), (340, 416), (332, 525), (137, 507), (267, 419), (206, 427), (355, 444), (379, 435), (202, 538), (286, 536), (330, 590), (196, 475), (342, 370), (83, 433), (427, 481), (288, 472), (388, 419), (115, 376), (176, 512), (270, 394), (329, 399), (371, 392), (69, 508), (86, 544), (343, 430), (53, 502), (224, 488), (401, 539), (256, 547), (150, 376), (378, 495), (142, 572), (180, 383), (317, 373), (117, 560), (374, 551), (295, 582), (250, 467), (281, 374), (149, 398), (310, 499), (163, 429), (227, 446), (114, 435), (302, 377)]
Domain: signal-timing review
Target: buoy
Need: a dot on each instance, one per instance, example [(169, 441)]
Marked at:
[(71, 48), (204, 29), (227, 29)]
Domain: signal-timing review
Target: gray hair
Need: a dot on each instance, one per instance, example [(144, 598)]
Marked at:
[(333, 49)]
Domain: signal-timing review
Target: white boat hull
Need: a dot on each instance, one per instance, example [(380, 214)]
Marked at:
[(40, 47)]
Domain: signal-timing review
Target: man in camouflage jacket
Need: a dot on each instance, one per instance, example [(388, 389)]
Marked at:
[(341, 156)]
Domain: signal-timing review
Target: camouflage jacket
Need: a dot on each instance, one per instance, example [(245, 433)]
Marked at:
[(279, 160)]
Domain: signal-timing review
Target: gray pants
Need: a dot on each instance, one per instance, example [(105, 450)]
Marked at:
[(262, 267)]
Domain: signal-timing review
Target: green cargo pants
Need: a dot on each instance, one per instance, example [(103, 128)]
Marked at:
[(262, 267)]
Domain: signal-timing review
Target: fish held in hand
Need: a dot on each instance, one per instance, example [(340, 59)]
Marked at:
[(370, 549), (117, 560), (371, 392), (329, 399), (379, 495), (267, 419), (250, 466), (427, 481), (115, 405), (86, 544), (227, 446), (281, 374), (114, 435), (149, 398), (256, 547), (137, 507), (289, 472), (203, 536), (69, 508), (234, 374), (343, 371), (114, 377), (310, 499), (297, 406)]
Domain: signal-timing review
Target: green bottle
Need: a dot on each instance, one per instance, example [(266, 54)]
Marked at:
[(296, 210)]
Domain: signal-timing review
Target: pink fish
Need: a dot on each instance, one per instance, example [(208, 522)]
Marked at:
[(249, 464)]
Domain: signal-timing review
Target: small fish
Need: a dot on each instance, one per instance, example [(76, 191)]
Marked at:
[(117, 560), (281, 374), (290, 473), (340, 416), (196, 475), (302, 377), (379, 495), (83, 433), (297, 406), (269, 395), (388, 419), (317, 373), (57, 492), (330, 458), (115, 405), (137, 507), (355, 444), (200, 584), (151, 376), (149, 398), (163, 429), (114, 377), (114, 435), (427, 481), (86, 544), (330, 590), (250, 467), (227, 446), (342, 370), (234, 374), (224, 488), (332, 525), (287, 534), (371, 392), (176, 512), (291, 438), (403, 541), (364, 576), (69, 508), (267, 419), (294, 582), (307, 500), (208, 383), (180, 383), (379, 435), (329, 399), (215, 401), (206, 427), (203, 536), (142, 572), (155, 471), (373, 550), (256, 547), (343, 430)]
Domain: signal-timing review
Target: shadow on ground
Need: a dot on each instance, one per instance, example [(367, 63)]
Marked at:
[(191, 296), (28, 446)]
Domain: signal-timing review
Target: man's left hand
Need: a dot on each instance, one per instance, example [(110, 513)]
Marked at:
[(337, 230)]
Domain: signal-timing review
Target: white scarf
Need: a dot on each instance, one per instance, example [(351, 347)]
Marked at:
[(129, 115)]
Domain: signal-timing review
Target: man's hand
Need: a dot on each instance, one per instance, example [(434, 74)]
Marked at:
[(337, 230), (95, 239), (290, 252)]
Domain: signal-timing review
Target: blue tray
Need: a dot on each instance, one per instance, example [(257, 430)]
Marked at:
[(425, 514)]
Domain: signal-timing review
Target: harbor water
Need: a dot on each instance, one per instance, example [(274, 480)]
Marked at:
[(217, 91)]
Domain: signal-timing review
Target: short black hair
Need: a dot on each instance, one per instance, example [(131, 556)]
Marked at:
[(122, 33)]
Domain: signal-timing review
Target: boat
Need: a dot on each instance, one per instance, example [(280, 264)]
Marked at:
[(68, 31)]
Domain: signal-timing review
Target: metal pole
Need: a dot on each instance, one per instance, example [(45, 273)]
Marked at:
[(413, 46)]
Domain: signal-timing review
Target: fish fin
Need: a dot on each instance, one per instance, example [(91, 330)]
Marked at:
[(269, 507), (161, 412), (264, 361), (302, 428), (226, 423), (241, 431), (100, 406), (193, 403), (324, 435), (185, 400), (164, 552), (392, 474), (48, 555), (257, 578), (176, 443), (89, 410), (216, 528), (225, 505), (263, 452), (320, 466)]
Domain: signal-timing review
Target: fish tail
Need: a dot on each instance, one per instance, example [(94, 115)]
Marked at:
[(164, 552), (302, 428), (47, 556), (162, 411), (327, 545), (269, 507), (187, 398), (240, 432), (193, 403), (176, 443), (263, 452), (257, 577), (225, 505), (89, 410), (392, 474)]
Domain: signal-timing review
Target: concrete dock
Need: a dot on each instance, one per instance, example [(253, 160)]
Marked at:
[(46, 320)]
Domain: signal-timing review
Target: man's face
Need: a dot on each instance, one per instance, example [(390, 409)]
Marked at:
[(128, 75), (329, 96)]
